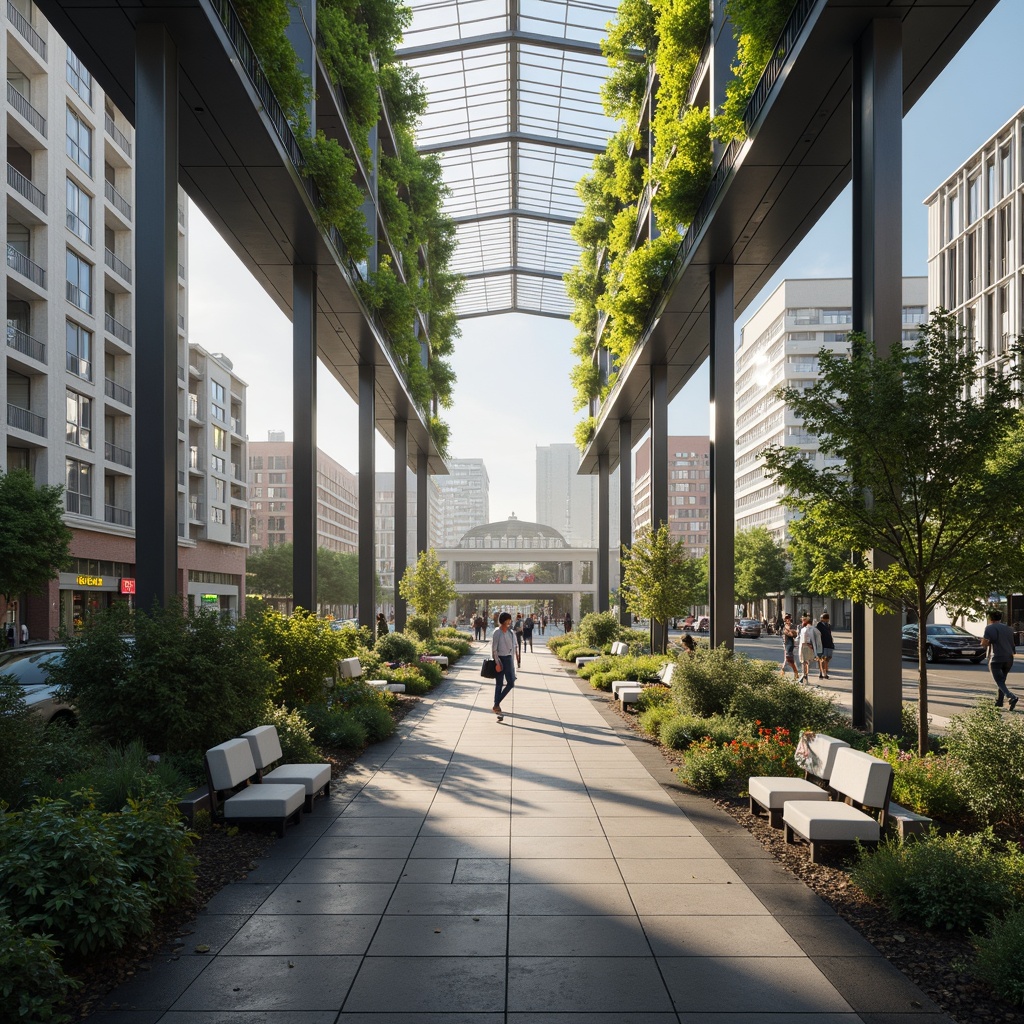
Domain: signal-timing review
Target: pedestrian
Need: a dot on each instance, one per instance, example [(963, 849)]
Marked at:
[(518, 630), (503, 650), (789, 645), (24, 632), (568, 623), (828, 644), (543, 624), (998, 638), (478, 627), (10, 634), (382, 625), (528, 632), (688, 645), (810, 644)]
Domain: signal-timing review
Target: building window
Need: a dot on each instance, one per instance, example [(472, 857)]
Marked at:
[(79, 78), (218, 413), (217, 464), (78, 487), (1006, 170), (79, 141), (79, 350), (218, 392), (79, 420), (836, 316), (79, 212), (79, 282), (953, 221), (219, 490), (220, 439), (216, 515), (974, 199)]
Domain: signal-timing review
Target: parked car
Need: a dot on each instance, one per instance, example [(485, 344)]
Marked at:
[(704, 624), (942, 642), (748, 627), (29, 667)]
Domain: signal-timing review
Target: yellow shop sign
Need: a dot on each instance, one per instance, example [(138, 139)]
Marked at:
[(89, 581)]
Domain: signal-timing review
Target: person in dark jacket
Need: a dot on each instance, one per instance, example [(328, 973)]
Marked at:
[(382, 625), (828, 644), (528, 625)]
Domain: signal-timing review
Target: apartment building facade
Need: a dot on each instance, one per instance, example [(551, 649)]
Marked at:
[(464, 500), (689, 490), (779, 348), (389, 572), (69, 373)]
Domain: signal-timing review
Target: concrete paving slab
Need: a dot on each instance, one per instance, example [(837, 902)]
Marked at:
[(440, 826), (447, 935), (536, 869), (476, 870), (429, 984), (576, 936), (348, 869), (694, 898), (239, 898), (682, 870), (441, 870), (717, 935), (523, 825), (346, 826), (432, 898), (668, 847), (211, 930), (568, 847), (361, 847), (304, 935), (570, 899), (248, 1017), (158, 988), (328, 898), (461, 846), (585, 985)]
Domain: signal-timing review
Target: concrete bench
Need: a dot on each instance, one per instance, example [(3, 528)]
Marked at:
[(907, 822), (865, 784), (627, 690), (265, 745), (620, 648), (350, 668), (230, 772), (770, 792), (586, 659), (440, 659)]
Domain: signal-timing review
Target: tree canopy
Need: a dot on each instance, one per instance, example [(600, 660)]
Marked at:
[(428, 587), (760, 565), (926, 480), (269, 573), (35, 544)]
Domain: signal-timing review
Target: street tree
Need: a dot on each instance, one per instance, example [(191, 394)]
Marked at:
[(269, 572), (808, 560), (35, 545), (930, 477), (428, 587), (760, 565), (660, 580)]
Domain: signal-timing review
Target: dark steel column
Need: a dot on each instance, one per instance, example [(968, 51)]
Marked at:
[(422, 473), (659, 469), (722, 550), (625, 503), (401, 515), (877, 307), (367, 495), (156, 317), (304, 503), (603, 573)]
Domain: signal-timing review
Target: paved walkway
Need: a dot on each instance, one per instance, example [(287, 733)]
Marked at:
[(541, 871)]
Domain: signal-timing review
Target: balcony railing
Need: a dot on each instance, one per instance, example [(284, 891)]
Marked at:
[(27, 111), (181, 215), (195, 460), (181, 477), (27, 268), (118, 330), (193, 406), (78, 297), (236, 425), (181, 321), (117, 201), (197, 511), (117, 135), (25, 344), (118, 266), (181, 425), (117, 392), (181, 271), (28, 33), (22, 419), (24, 187), (122, 456), (194, 368), (236, 472), (236, 535), (117, 516)]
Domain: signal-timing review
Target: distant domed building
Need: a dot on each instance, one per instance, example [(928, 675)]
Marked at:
[(513, 533)]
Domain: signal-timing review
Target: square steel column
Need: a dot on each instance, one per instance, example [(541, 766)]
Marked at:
[(722, 567), (401, 515), (659, 471), (304, 503), (625, 504), (603, 567), (877, 307), (422, 471), (367, 494), (156, 316)]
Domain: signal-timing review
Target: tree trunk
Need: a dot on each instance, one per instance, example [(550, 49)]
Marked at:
[(922, 674)]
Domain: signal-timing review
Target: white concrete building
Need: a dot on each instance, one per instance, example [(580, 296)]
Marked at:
[(465, 499), (779, 348), (568, 501)]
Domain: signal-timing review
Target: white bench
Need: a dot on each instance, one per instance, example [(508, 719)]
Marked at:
[(230, 770), (770, 792), (440, 659), (265, 746), (620, 648), (586, 659), (907, 822), (865, 784), (350, 668), (627, 690)]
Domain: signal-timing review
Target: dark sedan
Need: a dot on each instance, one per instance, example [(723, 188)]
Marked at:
[(942, 642), (29, 667), (748, 627)]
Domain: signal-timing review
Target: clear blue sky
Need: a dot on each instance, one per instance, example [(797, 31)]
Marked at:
[(513, 391)]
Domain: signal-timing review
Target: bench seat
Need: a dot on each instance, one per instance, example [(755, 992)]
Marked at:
[(771, 792), (907, 822), (586, 659), (265, 746), (440, 659)]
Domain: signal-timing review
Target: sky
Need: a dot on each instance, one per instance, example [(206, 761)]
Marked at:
[(980, 90)]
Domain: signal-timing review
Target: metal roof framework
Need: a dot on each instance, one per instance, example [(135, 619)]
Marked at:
[(514, 113)]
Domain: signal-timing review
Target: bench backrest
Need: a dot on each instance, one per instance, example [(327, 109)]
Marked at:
[(665, 675), (264, 745), (230, 764), (864, 779), (823, 755), (619, 647), (349, 668)]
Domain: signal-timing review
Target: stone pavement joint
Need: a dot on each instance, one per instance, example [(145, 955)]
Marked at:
[(547, 869)]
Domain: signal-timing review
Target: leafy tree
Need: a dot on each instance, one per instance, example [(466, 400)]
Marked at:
[(809, 562), (337, 577), (931, 475), (34, 542), (269, 572), (659, 579), (428, 587), (760, 565)]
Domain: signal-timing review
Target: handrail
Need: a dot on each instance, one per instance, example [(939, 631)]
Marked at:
[(23, 265), (117, 200), (22, 419), (118, 330), (23, 186), (21, 23), (117, 135), (25, 344), (27, 111), (118, 266)]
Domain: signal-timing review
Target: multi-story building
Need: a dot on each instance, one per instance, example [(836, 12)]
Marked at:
[(975, 268), (779, 348), (689, 490), (69, 357), (384, 526), (568, 501), (272, 493), (465, 501)]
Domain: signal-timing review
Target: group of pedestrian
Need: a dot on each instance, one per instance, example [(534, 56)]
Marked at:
[(812, 641), (12, 632)]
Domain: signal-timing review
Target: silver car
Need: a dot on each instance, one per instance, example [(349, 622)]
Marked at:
[(29, 667)]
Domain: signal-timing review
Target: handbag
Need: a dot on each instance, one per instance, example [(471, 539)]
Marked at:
[(488, 669)]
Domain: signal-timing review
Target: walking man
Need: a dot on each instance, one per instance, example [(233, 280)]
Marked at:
[(528, 631), (810, 644), (828, 644), (998, 638)]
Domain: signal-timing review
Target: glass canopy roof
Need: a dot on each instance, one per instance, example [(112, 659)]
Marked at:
[(515, 115)]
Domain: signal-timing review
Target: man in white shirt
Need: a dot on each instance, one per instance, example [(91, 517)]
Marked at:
[(809, 640)]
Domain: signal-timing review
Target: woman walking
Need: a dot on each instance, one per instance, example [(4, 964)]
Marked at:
[(503, 650), (789, 645)]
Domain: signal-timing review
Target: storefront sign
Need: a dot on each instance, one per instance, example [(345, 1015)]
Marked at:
[(90, 581), (209, 598), (127, 586)]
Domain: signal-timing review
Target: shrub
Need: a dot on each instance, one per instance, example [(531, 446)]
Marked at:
[(376, 720), (653, 718), (418, 626), (990, 749), (779, 702), (944, 881), (32, 982), (578, 650), (431, 671), (707, 765), (683, 730), (636, 640), (297, 746), (557, 644), (415, 681), (398, 647), (304, 651), (998, 957), (333, 725), (126, 773), (654, 697), (21, 733), (705, 681), (928, 785), (599, 628)]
